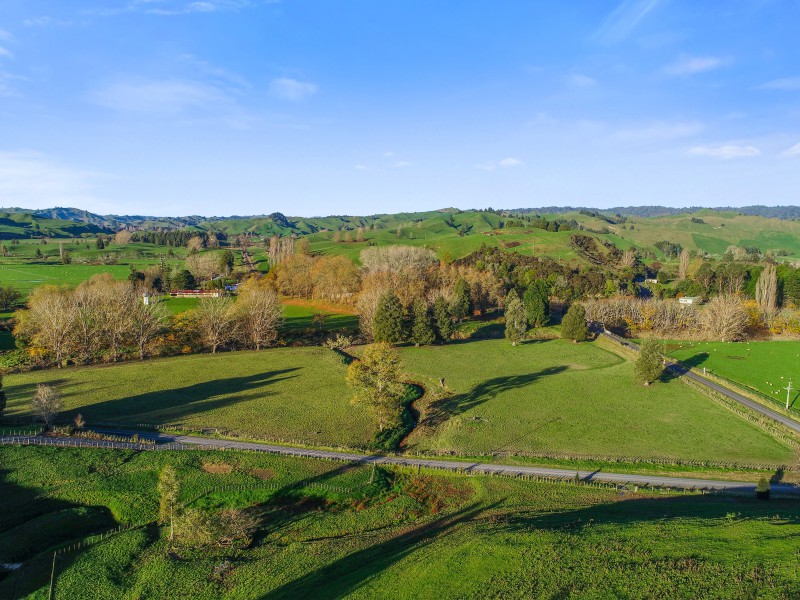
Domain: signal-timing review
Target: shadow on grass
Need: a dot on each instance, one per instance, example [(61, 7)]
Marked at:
[(644, 510), (347, 574), (441, 410), (676, 370), (172, 405), (30, 525)]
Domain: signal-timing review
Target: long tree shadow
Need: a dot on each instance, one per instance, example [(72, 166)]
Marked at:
[(644, 510), (31, 523), (675, 370), (349, 573), (441, 410), (172, 405)]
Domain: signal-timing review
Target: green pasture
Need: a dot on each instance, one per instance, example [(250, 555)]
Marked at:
[(763, 366), (279, 394), (301, 318), (553, 396), (406, 535)]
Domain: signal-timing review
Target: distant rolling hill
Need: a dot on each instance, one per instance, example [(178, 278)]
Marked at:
[(452, 232)]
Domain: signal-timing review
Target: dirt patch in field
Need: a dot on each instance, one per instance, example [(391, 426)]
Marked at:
[(217, 468), (263, 474)]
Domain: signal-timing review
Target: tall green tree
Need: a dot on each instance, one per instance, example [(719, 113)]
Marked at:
[(461, 306), (573, 325), (537, 303), (516, 321), (422, 333), (168, 492), (387, 325), (649, 365), (226, 261), (377, 380), (2, 397), (443, 320)]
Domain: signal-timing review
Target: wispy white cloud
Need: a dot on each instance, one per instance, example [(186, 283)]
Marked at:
[(793, 151), (47, 21), (789, 84), (292, 89), (5, 35), (581, 80), (179, 7), (692, 65), (505, 163), (34, 180), (401, 164), (658, 131), (157, 97), (5, 53), (623, 20), (725, 152), (361, 167)]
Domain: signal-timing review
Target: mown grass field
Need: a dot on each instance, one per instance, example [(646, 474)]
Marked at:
[(553, 396), (407, 535), (763, 366), (278, 394)]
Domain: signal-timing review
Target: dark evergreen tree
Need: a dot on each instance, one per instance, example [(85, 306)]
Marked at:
[(99, 243), (649, 365), (443, 320), (537, 303), (388, 323), (422, 333), (226, 261), (516, 321), (574, 326), (183, 280), (461, 306)]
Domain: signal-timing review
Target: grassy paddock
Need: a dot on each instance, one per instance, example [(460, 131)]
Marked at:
[(407, 535), (279, 394), (558, 397), (766, 367)]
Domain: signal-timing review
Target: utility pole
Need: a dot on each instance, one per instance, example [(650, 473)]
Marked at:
[(788, 389)]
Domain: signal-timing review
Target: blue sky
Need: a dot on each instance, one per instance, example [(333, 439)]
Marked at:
[(314, 107)]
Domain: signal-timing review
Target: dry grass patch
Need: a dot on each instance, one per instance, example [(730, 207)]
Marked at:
[(217, 468)]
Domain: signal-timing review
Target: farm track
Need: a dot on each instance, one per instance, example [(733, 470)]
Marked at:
[(160, 441)]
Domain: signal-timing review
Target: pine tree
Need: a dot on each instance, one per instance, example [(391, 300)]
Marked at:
[(443, 320), (516, 321), (388, 323), (574, 326), (422, 333), (537, 303), (461, 306)]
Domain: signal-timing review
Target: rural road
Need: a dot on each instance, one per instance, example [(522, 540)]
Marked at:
[(188, 442), (678, 369)]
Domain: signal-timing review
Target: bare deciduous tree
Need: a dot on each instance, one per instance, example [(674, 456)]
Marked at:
[(260, 313), (147, 321), (767, 289), (725, 318), (215, 321), (51, 317), (683, 265), (46, 403)]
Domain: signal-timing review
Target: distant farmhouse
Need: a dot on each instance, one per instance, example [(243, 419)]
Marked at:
[(196, 293)]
